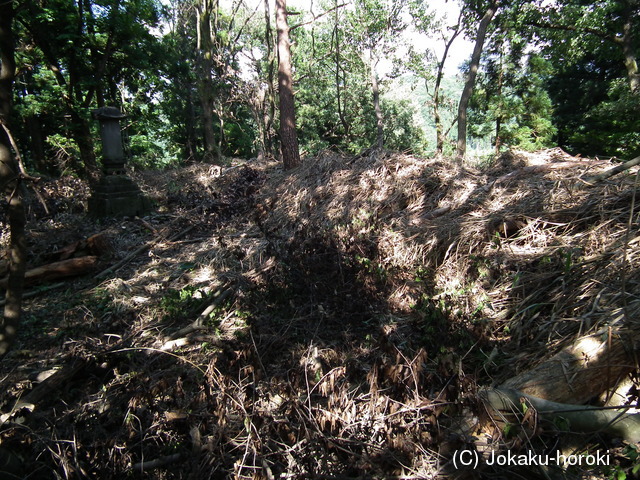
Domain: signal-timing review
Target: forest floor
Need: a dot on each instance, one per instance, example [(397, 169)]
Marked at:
[(333, 322)]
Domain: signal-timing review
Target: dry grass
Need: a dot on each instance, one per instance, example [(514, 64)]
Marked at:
[(355, 305), (506, 246)]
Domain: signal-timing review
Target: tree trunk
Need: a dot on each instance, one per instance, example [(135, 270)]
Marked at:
[(10, 179), (590, 181), (438, 122), (221, 140), (269, 102), (630, 60), (436, 100), (65, 268), (34, 128), (471, 79), (206, 87), (288, 134), (498, 143), (81, 133), (341, 80), (191, 137), (376, 101), (504, 404), (440, 134)]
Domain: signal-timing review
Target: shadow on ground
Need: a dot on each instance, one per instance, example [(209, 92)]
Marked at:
[(351, 309)]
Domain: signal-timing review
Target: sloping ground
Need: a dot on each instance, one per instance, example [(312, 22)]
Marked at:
[(333, 322)]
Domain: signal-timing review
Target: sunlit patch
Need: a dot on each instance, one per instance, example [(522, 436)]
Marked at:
[(204, 274)]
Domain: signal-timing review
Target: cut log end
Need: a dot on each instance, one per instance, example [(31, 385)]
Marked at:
[(579, 372)]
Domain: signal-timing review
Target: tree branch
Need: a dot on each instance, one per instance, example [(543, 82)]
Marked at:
[(574, 28), (316, 17), (590, 181)]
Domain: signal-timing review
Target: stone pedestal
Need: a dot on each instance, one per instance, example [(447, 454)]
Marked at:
[(118, 196)]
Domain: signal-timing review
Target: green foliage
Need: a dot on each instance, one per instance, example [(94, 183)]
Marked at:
[(371, 267), (148, 152), (74, 57), (631, 456), (583, 92), (611, 127), (402, 132), (333, 97), (182, 304), (552, 73), (594, 112), (373, 24), (64, 150), (510, 102), (571, 91)]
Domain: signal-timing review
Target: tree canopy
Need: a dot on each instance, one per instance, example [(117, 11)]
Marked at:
[(197, 78)]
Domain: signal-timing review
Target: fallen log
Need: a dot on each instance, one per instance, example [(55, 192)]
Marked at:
[(49, 388), (504, 403), (96, 245), (592, 365), (591, 181), (65, 268)]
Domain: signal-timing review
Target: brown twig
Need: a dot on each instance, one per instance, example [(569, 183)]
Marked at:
[(23, 172), (141, 467)]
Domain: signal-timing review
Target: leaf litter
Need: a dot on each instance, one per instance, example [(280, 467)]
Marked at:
[(333, 322)]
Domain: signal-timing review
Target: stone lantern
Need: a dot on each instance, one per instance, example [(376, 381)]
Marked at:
[(113, 158), (115, 194)]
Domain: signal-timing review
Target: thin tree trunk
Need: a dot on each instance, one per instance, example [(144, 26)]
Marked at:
[(33, 126), (436, 100), (590, 181), (471, 79), (438, 122), (221, 139), (36, 138), (440, 134), (10, 180), (340, 78), (498, 143), (288, 133), (376, 101), (191, 142), (257, 110)]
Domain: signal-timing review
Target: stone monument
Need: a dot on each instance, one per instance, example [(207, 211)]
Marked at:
[(115, 194)]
